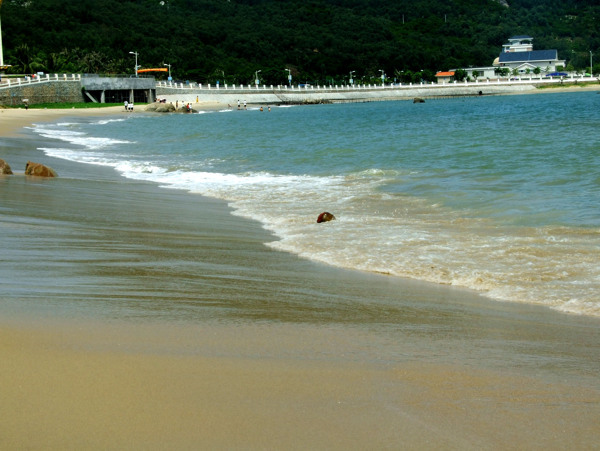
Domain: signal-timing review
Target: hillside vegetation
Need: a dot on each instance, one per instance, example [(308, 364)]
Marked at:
[(318, 40)]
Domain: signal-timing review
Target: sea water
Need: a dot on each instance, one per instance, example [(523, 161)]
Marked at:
[(497, 194)]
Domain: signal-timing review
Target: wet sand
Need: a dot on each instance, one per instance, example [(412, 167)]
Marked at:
[(135, 317)]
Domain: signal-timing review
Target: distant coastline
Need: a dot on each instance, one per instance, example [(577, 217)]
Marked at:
[(14, 119)]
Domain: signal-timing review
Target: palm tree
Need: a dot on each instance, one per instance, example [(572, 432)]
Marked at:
[(27, 62)]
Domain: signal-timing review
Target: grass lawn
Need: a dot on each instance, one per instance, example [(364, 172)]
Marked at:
[(72, 105)]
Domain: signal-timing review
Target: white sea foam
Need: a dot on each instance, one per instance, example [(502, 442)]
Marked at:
[(414, 240), (78, 156), (434, 245), (107, 121), (76, 137), (375, 231)]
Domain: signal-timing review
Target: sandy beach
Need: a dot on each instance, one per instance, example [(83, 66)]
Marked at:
[(135, 317), (12, 120)]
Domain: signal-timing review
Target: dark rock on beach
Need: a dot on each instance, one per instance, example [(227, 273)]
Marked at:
[(5, 168), (325, 217), (418, 100), (39, 170)]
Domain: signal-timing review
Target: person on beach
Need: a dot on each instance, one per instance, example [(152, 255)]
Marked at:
[(245, 105), (238, 104), (126, 104)]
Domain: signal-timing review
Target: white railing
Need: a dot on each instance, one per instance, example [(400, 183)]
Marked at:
[(329, 88), (28, 80)]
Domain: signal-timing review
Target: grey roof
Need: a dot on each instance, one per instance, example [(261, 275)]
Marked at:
[(523, 36), (534, 55)]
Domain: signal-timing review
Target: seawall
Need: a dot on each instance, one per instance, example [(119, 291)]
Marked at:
[(275, 96), (76, 88), (42, 92)]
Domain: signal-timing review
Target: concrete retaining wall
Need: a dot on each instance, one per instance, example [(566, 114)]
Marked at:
[(98, 83), (280, 96), (75, 89)]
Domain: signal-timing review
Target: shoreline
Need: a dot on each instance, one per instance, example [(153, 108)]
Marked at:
[(124, 328), (12, 120)]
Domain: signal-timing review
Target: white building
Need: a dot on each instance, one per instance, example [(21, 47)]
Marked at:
[(519, 55), (481, 73)]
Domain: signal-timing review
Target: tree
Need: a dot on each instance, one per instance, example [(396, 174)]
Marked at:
[(321, 38), (460, 75), (27, 62), (502, 71)]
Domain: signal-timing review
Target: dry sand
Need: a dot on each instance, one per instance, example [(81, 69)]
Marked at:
[(435, 368)]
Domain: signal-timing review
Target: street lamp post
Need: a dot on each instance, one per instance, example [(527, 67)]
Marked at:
[(165, 64), (1, 55), (591, 67), (136, 64), (2, 66), (256, 80), (351, 81), (289, 76)]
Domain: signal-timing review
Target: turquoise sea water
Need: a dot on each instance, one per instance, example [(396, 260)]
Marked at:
[(498, 194)]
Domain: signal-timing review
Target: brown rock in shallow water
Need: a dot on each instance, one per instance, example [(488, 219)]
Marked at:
[(39, 170), (5, 168), (325, 216), (165, 108)]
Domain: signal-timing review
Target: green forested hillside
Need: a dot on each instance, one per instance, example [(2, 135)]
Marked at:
[(319, 40)]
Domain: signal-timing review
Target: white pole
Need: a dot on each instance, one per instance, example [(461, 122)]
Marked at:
[(1, 55), (136, 62)]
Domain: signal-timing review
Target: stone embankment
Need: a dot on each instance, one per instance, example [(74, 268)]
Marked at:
[(45, 92), (279, 96)]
